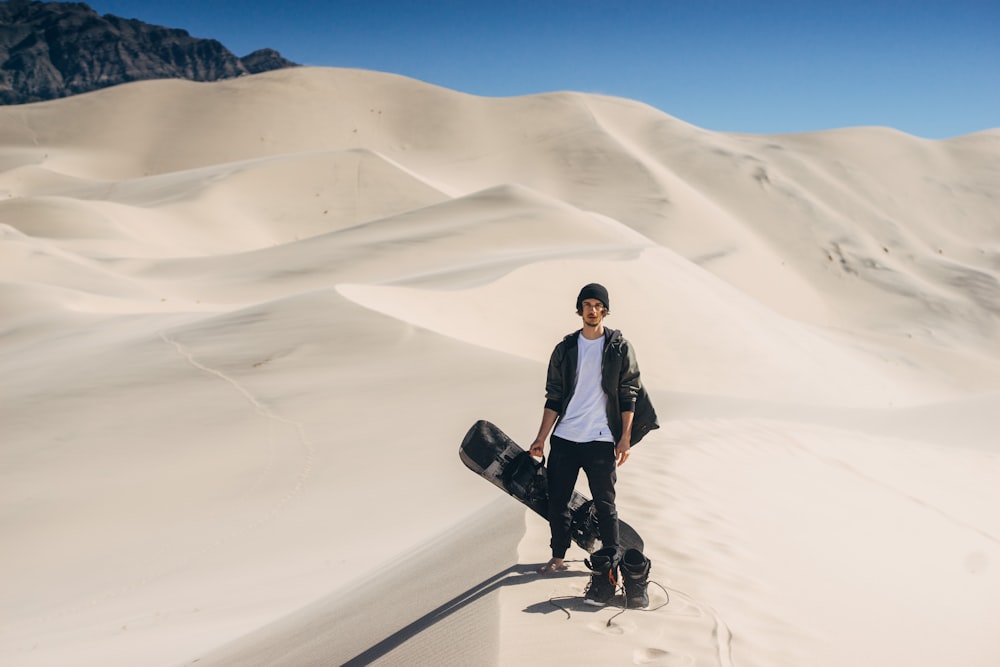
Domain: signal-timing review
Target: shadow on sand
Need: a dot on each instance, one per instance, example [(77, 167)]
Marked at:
[(512, 576)]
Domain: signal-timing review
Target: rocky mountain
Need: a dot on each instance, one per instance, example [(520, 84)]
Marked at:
[(57, 49)]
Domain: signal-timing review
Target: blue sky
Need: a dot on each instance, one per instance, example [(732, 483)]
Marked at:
[(929, 68)]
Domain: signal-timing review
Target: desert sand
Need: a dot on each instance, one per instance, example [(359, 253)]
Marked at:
[(245, 325)]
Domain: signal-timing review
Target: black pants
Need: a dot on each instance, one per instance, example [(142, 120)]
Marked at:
[(597, 460)]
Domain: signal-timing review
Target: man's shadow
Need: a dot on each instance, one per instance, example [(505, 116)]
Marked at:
[(514, 575)]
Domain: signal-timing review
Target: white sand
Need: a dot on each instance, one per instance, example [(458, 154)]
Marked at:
[(244, 326)]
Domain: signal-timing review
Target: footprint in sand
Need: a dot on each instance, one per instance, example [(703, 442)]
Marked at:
[(613, 629), (656, 656)]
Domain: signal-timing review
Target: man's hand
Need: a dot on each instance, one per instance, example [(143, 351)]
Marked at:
[(537, 449), (622, 451)]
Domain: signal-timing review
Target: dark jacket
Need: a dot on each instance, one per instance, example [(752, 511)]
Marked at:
[(619, 379)]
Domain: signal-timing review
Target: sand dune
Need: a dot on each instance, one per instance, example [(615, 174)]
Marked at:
[(246, 324)]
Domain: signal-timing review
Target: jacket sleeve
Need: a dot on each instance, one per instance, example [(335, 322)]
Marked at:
[(554, 389), (628, 379)]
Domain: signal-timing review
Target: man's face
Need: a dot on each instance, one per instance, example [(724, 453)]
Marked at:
[(592, 311)]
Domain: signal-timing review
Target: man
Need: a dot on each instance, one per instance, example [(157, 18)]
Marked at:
[(599, 408)]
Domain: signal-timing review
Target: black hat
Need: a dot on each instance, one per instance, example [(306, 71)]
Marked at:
[(593, 291)]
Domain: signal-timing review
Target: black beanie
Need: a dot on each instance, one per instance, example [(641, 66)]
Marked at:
[(593, 291)]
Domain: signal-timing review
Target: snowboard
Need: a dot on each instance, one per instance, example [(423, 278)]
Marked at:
[(491, 454)]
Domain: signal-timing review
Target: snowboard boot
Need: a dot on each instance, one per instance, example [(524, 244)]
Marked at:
[(603, 565), (635, 577)]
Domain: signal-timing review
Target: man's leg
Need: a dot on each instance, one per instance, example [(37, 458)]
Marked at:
[(562, 471), (602, 473)]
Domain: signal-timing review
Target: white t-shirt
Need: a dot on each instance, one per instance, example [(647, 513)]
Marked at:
[(586, 417)]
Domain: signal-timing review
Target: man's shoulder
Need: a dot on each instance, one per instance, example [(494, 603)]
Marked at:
[(615, 337), (569, 339), (619, 345)]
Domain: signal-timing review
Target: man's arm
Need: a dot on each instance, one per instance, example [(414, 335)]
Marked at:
[(553, 400), (628, 392), (549, 417), (624, 443), (628, 379)]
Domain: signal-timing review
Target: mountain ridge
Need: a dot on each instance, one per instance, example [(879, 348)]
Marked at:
[(50, 50)]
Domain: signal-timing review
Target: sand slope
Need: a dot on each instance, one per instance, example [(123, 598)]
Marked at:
[(245, 325)]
